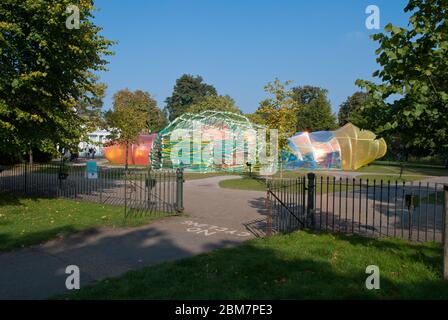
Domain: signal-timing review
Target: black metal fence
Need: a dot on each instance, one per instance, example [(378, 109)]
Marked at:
[(136, 190), (287, 203), (412, 210)]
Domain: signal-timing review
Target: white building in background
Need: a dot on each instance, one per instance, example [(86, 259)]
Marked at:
[(96, 140)]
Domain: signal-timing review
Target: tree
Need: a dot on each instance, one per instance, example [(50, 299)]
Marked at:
[(314, 111), (188, 90), (46, 69), (412, 96), (218, 103), (89, 107), (130, 116), (256, 118), (279, 112), (349, 110), (156, 120)]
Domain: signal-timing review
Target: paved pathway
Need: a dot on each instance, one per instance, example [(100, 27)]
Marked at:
[(222, 220)]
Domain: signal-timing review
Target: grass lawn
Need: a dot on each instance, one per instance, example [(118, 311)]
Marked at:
[(197, 175), (391, 178), (299, 265), (372, 172), (26, 220), (409, 169), (411, 172), (187, 175), (246, 183), (413, 163)]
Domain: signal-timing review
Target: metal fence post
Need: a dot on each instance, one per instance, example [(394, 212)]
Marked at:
[(445, 232), (25, 173), (101, 186), (269, 207), (303, 197), (310, 206), (125, 192), (179, 190)]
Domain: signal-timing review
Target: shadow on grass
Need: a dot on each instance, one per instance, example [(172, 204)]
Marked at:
[(10, 243), (97, 254), (429, 254), (296, 266), (10, 199)]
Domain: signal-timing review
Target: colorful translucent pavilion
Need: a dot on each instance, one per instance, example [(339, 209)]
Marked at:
[(138, 152), (347, 148), (205, 142)]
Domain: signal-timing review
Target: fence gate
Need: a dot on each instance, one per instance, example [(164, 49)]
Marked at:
[(286, 199), (154, 192)]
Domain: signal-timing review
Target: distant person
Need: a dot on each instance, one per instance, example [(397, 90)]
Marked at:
[(73, 157), (93, 153)]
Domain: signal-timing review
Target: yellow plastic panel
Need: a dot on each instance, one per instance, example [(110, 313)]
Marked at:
[(358, 147)]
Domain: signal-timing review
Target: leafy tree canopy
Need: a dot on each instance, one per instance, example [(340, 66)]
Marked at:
[(188, 90), (349, 110), (218, 103), (256, 118), (133, 113), (89, 106), (157, 120), (279, 111), (412, 96), (47, 70), (314, 109)]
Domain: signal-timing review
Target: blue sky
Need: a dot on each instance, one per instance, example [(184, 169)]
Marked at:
[(240, 45)]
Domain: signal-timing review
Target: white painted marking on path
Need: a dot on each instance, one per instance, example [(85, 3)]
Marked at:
[(209, 230)]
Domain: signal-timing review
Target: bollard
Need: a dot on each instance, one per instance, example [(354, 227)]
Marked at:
[(179, 190)]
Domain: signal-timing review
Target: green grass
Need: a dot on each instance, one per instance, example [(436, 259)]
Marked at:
[(409, 169), (246, 183), (371, 172), (299, 265), (26, 220), (388, 169), (422, 162), (198, 175), (381, 168), (391, 178)]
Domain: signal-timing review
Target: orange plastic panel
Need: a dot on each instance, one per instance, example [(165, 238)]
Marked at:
[(138, 153)]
